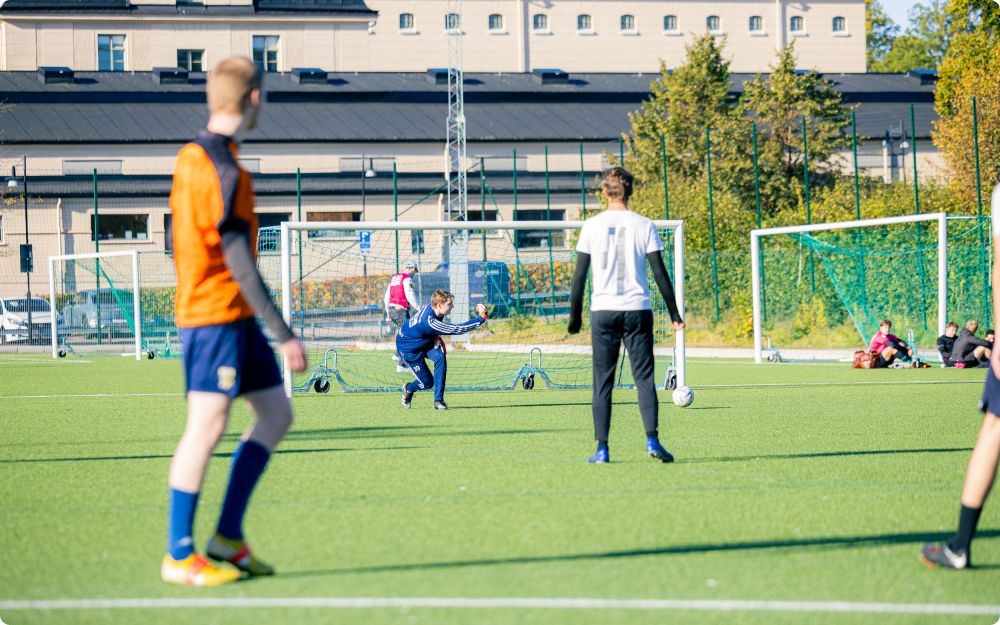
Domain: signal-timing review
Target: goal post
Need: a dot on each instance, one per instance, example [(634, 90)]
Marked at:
[(88, 310), (860, 261), (333, 276)]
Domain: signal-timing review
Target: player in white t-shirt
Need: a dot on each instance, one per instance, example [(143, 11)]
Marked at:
[(616, 245), (956, 552)]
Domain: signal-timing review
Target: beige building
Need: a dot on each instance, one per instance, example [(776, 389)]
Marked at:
[(412, 35)]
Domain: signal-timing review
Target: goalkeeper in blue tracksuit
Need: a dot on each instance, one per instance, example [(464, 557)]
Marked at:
[(419, 339)]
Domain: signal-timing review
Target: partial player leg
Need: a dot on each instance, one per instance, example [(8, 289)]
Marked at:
[(273, 414), (440, 361), (424, 379), (605, 339), (207, 416), (639, 343), (979, 479)]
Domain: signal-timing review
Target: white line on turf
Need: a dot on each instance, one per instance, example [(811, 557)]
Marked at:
[(86, 395), (721, 605)]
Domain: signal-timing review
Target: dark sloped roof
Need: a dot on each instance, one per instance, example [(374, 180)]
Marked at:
[(72, 5), (120, 107)]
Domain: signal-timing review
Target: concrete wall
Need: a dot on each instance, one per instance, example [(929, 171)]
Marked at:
[(354, 44)]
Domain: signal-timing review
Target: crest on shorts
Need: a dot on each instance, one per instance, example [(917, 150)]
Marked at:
[(227, 377)]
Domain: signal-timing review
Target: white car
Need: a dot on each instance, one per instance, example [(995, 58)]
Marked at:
[(14, 320)]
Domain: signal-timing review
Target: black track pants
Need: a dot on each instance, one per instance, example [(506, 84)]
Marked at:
[(608, 329)]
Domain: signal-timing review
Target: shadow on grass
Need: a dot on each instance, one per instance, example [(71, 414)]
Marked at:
[(830, 454), (841, 542), (218, 454)]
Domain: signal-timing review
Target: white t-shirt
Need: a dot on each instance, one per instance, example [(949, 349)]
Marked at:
[(618, 242)]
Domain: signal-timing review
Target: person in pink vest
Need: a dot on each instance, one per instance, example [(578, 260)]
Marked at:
[(399, 300), (888, 346)]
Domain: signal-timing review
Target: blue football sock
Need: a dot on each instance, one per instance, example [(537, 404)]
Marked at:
[(249, 461), (180, 542)]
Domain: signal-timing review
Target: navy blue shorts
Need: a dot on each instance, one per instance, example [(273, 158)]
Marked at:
[(990, 401), (228, 358)]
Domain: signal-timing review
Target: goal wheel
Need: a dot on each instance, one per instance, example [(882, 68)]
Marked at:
[(528, 381), (321, 386), (62, 352), (150, 354), (671, 383), (772, 357)]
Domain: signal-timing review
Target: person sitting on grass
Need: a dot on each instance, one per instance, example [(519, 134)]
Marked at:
[(946, 344), (969, 349), (888, 346), (989, 336)]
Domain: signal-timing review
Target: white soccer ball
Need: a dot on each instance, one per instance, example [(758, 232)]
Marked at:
[(683, 396)]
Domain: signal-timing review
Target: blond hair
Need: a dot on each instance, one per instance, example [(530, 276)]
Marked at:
[(441, 296), (618, 184), (230, 84)]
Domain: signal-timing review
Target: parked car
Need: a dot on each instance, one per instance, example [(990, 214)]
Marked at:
[(488, 282), (80, 313), (14, 320)]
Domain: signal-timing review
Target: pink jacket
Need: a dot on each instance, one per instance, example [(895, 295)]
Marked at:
[(879, 341)]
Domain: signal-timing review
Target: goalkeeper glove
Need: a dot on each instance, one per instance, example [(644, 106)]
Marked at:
[(482, 311)]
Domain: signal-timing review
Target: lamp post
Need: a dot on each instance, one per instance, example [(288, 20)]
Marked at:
[(13, 185), (366, 172)]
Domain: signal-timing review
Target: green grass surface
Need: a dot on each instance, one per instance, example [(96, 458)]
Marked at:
[(793, 483)]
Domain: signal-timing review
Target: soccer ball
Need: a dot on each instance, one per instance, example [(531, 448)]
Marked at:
[(683, 396)]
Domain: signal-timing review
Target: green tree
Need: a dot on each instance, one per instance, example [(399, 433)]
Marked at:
[(682, 104), (779, 105), (880, 32), (970, 70)]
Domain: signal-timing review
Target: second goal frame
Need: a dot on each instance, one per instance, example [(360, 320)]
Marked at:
[(941, 219)]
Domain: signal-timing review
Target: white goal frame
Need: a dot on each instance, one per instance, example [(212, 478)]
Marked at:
[(942, 258), (680, 360), (136, 306)]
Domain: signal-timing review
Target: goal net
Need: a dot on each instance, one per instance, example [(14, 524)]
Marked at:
[(334, 276), (821, 290), (95, 300)]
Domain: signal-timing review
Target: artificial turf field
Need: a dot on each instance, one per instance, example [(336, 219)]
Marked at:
[(806, 489)]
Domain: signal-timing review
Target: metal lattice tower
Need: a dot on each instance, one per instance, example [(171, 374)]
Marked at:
[(457, 205)]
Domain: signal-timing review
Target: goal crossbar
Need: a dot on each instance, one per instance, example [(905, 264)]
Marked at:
[(755, 262), (285, 245)]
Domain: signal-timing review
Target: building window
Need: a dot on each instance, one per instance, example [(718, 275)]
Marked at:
[(452, 22), (332, 216), (2, 241), (265, 52), (539, 238), (797, 24), (839, 25), (756, 24), (168, 233), (584, 24), (669, 23), (627, 23), (111, 53), (713, 24), (540, 22), (121, 227), (417, 242), (496, 23), (191, 60), (406, 21)]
